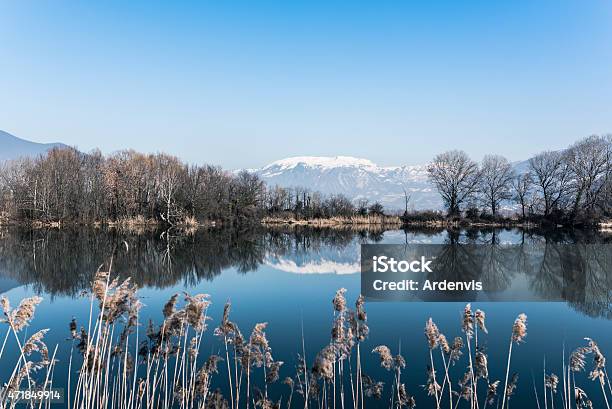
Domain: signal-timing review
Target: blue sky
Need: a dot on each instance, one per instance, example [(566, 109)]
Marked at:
[(243, 83)]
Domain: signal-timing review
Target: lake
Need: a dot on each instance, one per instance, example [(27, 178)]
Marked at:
[(287, 277)]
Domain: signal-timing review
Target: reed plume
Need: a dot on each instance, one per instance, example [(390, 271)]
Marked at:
[(20, 317), (291, 384), (386, 358), (216, 401), (372, 388), (446, 348), (204, 375), (481, 364), (465, 391), (582, 400), (467, 325), (551, 382), (456, 349), (432, 333), (339, 300), (360, 308), (170, 306), (432, 387), (511, 388), (35, 344), (195, 310), (396, 363), (404, 399), (599, 361), (261, 401), (577, 359), (479, 317), (491, 393), (519, 329)]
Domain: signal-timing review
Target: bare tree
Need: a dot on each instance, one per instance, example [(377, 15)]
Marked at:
[(17, 185), (362, 207), (604, 202), (522, 185), (589, 161), (247, 192), (406, 201), (169, 175), (376, 209), (550, 171), (495, 181), (456, 177), (338, 205)]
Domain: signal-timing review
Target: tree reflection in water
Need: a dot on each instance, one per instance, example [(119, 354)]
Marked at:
[(576, 265)]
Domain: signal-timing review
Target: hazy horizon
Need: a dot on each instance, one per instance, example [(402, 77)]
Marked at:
[(244, 84)]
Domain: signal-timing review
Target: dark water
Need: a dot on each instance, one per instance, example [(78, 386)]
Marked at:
[(288, 278)]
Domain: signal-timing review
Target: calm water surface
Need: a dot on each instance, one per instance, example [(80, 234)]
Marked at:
[(288, 278)]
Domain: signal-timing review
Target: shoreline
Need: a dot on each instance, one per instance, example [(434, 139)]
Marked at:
[(387, 222), (334, 221)]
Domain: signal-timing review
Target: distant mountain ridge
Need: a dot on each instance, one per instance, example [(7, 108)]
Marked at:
[(12, 147), (355, 178), (359, 178)]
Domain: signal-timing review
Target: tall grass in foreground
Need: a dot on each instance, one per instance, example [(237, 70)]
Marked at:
[(115, 362)]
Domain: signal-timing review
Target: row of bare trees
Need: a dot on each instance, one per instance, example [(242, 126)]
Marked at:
[(302, 203), (571, 186), (66, 185)]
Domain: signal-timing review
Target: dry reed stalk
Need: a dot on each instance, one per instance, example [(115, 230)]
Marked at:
[(446, 379), (535, 391), (467, 326), (519, 332), (432, 334), (564, 395), (361, 333), (491, 393), (8, 332), (568, 375), (224, 330), (17, 319), (551, 382), (608, 381), (479, 318), (544, 384), (48, 376)]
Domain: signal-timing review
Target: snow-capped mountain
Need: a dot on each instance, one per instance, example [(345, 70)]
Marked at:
[(356, 178)]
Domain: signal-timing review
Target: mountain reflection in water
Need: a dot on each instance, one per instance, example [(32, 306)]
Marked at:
[(63, 262)]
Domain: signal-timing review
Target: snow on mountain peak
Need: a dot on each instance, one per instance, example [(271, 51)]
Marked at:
[(321, 162), (355, 178)]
